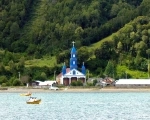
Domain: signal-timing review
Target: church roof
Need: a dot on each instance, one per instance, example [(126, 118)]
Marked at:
[(78, 73), (67, 70), (73, 50)]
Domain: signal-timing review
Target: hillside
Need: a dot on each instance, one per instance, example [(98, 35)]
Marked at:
[(112, 37), (49, 22)]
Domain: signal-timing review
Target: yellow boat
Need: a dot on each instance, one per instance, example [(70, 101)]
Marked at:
[(26, 94), (33, 100)]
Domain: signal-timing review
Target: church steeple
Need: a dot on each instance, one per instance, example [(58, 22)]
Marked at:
[(73, 59)]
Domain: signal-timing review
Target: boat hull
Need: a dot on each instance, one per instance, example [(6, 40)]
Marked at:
[(25, 94), (34, 102)]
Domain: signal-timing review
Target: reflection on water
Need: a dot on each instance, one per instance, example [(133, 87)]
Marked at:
[(76, 106)]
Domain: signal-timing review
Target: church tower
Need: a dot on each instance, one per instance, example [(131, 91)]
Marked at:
[(73, 59), (72, 74)]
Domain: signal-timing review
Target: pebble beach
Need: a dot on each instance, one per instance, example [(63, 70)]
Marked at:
[(25, 90)]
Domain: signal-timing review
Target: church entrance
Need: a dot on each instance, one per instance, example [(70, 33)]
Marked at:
[(66, 81), (73, 79)]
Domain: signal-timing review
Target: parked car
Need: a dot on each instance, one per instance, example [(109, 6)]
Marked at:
[(54, 88)]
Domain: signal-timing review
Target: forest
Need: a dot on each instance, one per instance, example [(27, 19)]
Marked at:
[(43, 30)]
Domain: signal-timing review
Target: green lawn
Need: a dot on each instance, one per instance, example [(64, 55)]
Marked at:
[(49, 61), (135, 74), (98, 44)]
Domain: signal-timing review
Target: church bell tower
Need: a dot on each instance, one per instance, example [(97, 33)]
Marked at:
[(73, 59)]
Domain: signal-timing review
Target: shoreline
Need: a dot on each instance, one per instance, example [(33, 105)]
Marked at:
[(33, 90)]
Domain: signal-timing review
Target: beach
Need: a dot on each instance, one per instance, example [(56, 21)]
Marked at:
[(33, 90)]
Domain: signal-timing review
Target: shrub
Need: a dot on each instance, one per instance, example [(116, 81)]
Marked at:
[(4, 85), (89, 84), (94, 82), (73, 83), (3, 79), (16, 82), (79, 83)]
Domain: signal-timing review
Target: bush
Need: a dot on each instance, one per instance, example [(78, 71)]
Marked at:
[(89, 84), (74, 84), (10, 82), (94, 82), (16, 82), (3, 79), (79, 83), (4, 84)]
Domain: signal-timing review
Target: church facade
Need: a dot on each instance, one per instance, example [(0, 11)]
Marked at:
[(72, 74)]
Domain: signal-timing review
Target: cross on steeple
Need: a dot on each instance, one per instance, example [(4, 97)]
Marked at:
[(73, 43)]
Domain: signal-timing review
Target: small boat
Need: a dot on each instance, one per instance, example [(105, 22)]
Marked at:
[(25, 94), (33, 100)]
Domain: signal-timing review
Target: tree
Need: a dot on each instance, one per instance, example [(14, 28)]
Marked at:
[(14, 30), (12, 67), (119, 46), (3, 79), (148, 68), (2, 68), (104, 52), (25, 79), (83, 54), (110, 69), (21, 64)]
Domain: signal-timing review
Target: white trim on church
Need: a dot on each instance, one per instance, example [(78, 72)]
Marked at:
[(71, 74)]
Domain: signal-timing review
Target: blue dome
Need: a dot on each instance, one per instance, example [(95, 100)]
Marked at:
[(64, 69), (83, 69), (73, 50)]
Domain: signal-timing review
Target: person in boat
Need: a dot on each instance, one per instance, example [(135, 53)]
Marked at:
[(29, 92), (32, 99)]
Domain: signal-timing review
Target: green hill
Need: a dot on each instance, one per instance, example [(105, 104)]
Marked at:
[(112, 37)]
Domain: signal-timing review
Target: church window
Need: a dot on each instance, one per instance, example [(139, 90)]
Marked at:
[(73, 62), (73, 55), (74, 72)]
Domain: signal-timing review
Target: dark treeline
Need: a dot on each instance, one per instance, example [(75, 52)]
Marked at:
[(13, 16)]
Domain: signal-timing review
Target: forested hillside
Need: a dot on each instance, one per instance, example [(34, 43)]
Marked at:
[(39, 26), (31, 29)]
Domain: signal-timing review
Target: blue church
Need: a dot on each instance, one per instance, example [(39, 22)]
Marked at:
[(72, 74)]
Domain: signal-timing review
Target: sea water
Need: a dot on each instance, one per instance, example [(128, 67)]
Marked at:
[(77, 106)]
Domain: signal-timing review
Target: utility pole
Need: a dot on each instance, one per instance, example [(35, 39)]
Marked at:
[(54, 75), (148, 66), (19, 75)]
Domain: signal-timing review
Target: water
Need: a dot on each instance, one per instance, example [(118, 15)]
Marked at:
[(76, 106)]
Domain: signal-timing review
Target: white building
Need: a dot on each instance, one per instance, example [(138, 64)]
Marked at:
[(132, 83), (44, 84)]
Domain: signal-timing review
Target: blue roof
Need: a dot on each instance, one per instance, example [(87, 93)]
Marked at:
[(73, 50)]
